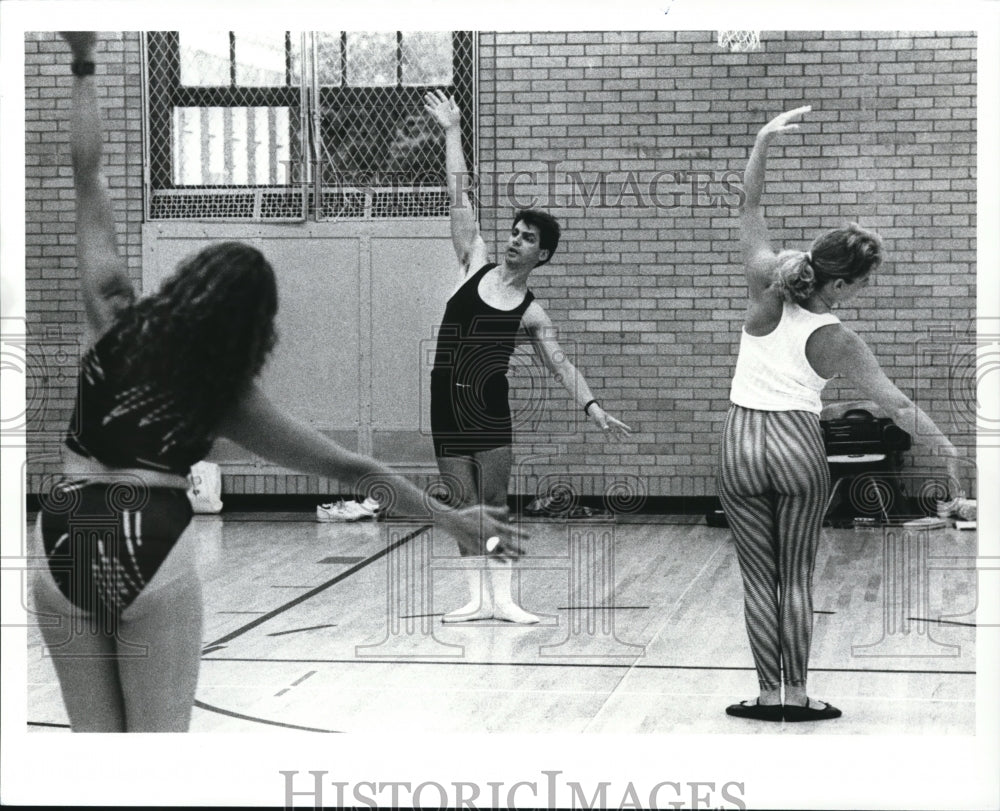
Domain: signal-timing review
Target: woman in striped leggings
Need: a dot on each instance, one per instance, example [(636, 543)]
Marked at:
[(773, 477)]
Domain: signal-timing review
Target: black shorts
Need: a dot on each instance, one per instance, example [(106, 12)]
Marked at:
[(104, 541), (467, 418)]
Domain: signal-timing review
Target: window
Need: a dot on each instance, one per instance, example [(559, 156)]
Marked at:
[(238, 121)]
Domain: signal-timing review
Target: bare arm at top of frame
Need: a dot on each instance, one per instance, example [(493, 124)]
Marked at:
[(107, 289), (466, 239)]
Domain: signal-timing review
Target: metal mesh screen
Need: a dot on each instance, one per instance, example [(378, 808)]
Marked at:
[(300, 125)]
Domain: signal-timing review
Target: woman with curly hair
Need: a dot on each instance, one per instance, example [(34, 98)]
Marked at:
[(162, 377), (774, 477)]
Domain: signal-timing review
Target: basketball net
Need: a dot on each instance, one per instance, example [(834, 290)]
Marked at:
[(737, 41)]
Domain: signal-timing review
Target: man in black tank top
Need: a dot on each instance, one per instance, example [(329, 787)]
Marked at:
[(469, 407), (470, 412)]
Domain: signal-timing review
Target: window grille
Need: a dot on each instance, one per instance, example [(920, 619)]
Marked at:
[(300, 125)]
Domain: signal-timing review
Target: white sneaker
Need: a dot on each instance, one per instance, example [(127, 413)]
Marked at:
[(348, 510), (339, 512)]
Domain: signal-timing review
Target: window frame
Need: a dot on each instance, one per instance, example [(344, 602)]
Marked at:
[(164, 93)]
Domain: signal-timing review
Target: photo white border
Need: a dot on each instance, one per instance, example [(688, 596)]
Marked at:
[(215, 769)]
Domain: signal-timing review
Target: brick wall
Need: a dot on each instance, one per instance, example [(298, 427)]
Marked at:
[(646, 288), (54, 308), (651, 299)]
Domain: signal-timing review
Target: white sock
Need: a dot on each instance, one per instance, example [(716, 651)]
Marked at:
[(480, 605), (504, 607)]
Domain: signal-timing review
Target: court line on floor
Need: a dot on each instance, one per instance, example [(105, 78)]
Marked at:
[(558, 608), (300, 630), (619, 665), (323, 587), (295, 683), (944, 622), (201, 705)]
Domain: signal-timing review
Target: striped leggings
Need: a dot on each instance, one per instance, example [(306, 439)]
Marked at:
[(774, 482)]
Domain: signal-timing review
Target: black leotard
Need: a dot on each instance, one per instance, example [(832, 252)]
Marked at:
[(123, 420), (470, 411), (106, 536)]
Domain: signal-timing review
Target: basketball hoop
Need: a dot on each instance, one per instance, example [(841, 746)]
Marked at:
[(737, 41)]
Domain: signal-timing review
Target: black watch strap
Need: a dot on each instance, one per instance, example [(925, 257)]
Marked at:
[(82, 67)]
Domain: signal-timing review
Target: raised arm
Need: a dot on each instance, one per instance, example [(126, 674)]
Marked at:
[(837, 350), (262, 428), (106, 286), (469, 245), (543, 337), (758, 256)]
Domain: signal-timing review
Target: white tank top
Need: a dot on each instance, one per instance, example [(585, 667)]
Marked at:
[(773, 372)]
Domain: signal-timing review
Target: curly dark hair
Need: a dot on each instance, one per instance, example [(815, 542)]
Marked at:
[(206, 334)]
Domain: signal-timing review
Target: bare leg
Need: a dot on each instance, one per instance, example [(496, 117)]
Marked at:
[(159, 687), (83, 654)]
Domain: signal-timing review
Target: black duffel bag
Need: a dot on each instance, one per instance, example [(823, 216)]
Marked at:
[(859, 431)]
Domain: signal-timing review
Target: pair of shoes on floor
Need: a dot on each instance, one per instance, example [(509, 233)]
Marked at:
[(782, 712), (554, 507), (344, 511), (546, 506)]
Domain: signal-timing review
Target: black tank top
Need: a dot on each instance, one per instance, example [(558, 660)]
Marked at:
[(122, 420), (475, 340)]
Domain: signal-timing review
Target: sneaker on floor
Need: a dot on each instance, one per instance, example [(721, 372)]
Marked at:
[(370, 507), (340, 512), (546, 506)]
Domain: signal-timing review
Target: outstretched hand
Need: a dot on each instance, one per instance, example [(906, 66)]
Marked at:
[(444, 110), (953, 464), (612, 427), (483, 530), (80, 42), (781, 124)]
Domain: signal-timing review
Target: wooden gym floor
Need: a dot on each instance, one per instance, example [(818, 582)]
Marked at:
[(336, 628)]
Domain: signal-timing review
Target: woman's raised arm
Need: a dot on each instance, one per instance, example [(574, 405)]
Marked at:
[(758, 256), (107, 288)]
